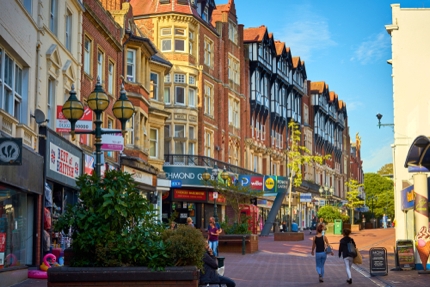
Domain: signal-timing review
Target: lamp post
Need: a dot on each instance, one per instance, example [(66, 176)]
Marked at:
[(379, 117), (98, 101), (373, 197), (326, 189)]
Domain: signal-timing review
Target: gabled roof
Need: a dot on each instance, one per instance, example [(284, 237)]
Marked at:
[(254, 34), (296, 62), (230, 7), (341, 104), (333, 96), (318, 87), (280, 47), (145, 7)]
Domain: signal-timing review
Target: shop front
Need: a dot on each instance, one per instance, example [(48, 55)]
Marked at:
[(21, 190)]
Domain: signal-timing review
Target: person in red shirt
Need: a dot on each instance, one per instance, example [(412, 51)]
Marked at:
[(214, 230)]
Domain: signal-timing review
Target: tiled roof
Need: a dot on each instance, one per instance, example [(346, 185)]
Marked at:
[(342, 104), (144, 7), (280, 46), (254, 34), (333, 96), (318, 87), (296, 61)]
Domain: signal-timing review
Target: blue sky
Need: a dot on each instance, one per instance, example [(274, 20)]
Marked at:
[(345, 44)]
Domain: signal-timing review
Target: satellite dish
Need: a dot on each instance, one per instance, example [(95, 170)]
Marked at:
[(39, 116)]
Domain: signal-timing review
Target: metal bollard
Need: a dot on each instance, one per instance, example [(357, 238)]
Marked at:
[(243, 245)]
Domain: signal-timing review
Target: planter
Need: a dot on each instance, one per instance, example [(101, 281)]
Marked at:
[(234, 243), (346, 225), (289, 236), (355, 228), (187, 276), (330, 228)]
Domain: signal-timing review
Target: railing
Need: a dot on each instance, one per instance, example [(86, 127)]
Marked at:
[(204, 161)]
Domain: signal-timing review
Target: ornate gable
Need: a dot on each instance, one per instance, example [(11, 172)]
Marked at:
[(53, 60), (69, 76)]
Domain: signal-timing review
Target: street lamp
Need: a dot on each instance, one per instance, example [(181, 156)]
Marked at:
[(326, 189), (379, 117), (98, 101)]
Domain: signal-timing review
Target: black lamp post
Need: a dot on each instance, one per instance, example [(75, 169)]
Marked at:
[(373, 197), (98, 101), (326, 189), (379, 117)]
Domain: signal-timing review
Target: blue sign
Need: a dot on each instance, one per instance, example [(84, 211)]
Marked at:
[(245, 180), (417, 169), (176, 183)]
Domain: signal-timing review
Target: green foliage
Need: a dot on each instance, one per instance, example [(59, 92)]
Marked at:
[(185, 246), (114, 225), (386, 170), (236, 228), (382, 188), (352, 196), (330, 213)]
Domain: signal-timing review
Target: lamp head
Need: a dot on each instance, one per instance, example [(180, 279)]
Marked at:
[(73, 110), (123, 109), (321, 190), (98, 101), (224, 175), (206, 175), (331, 190), (379, 116)]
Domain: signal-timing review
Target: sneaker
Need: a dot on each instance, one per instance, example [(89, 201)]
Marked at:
[(349, 281), (320, 278)]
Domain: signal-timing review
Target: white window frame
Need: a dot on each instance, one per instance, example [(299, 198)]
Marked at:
[(12, 83), (131, 65), (179, 94), (208, 53), (180, 39), (179, 131), (111, 77), (191, 42), (208, 143), (192, 97), (167, 95), (53, 16), (179, 78), (68, 30), (100, 65), (166, 39), (232, 31), (208, 99), (50, 102), (28, 5), (192, 80), (88, 43), (155, 80), (153, 143), (129, 127)]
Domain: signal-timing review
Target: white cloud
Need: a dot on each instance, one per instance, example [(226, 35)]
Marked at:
[(377, 159), (353, 106), (373, 49), (306, 36)]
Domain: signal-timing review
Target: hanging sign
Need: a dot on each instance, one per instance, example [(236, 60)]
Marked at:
[(10, 151), (63, 162), (84, 124)]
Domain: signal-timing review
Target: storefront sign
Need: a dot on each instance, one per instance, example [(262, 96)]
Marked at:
[(2, 247), (84, 124), (405, 254), (10, 151), (282, 183), (378, 261), (305, 197), (269, 183), (139, 176), (185, 176), (183, 194), (112, 142), (63, 162), (220, 199)]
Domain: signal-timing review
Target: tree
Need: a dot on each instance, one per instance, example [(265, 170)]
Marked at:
[(352, 196), (298, 155), (386, 170), (383, 188)]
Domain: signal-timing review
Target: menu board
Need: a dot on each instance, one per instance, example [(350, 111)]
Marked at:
[(405, 254), (378, 261)]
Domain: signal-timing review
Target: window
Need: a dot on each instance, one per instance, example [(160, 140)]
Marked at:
[(233, 70), (129, 127), (111, 77), (131, 65), (191, 148), (153, 143), (233, 112), (51, 103), (192, 80), (179, 131), (179, 40), (167, 95), (191, 43), (53, 16), (179, 147), (232, 32), (179, 95), (167, 131), (252, 127), (100, 64), (167, 78), (87, 56), (208, 144), (192, 97), (205, 14), (208, 52), (68, 32), (208, 100), (11, 86), (191, 133), (110, 123), (180, 78), (154, 80), (166, 40), (27, 5)]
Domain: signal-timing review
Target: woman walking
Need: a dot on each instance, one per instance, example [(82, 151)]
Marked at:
[(318, 248), (343, 250)]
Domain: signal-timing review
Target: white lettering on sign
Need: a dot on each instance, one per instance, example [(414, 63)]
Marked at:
[(139, 176), (63, 162), (180, 175)]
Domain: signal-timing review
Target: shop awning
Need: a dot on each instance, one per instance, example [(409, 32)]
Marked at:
[(419, 153)]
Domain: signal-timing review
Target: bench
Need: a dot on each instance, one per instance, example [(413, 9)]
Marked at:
[(238, 243), (212, 285), (289, 236)]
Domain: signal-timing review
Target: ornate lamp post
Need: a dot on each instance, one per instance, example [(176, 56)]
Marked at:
[(98, 101), (373, 197), (379, 117), (326, 189)]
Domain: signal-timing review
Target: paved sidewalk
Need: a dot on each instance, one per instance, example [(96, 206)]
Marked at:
[(280, 263)]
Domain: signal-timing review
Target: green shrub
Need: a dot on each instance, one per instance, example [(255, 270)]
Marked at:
[(236, 228), (330, 213)]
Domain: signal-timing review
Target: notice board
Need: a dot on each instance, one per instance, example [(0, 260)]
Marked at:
[(378, 261), (405, 254)]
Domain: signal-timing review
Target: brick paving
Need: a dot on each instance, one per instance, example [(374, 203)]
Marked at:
[(281, 263)]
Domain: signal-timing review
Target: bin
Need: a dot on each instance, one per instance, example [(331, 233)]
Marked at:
[(337, 226)]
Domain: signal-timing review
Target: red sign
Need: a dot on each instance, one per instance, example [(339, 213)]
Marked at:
[(189, 194), (256, 182), (220, 199), (83, 124), (2, 242)]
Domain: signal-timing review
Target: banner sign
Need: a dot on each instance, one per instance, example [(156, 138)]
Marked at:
[(112, 142), (63, 162), (183, 195), (82, 125), (305, 197), (10, 151)]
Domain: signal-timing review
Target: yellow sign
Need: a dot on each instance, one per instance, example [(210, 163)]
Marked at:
[(270, 183)]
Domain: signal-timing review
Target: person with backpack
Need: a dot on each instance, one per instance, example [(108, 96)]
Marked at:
[(346, 252)]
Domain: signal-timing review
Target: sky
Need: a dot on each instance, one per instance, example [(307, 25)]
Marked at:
[(345, 44)]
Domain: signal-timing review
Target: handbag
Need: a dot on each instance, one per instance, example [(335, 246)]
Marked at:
[(352, 251), (327, 249), (358, 259)]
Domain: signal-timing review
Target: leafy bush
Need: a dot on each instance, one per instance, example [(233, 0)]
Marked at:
[(235, 228), (113, 225), (330, 213), (185, 246)]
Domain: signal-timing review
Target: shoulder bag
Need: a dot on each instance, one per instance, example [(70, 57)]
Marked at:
[(352, 251), (327, 249)]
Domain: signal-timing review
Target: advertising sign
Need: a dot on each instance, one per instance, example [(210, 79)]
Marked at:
[(10, 151), (405, 254), (219, 199), (183, 194), (378, 261), (2, 247), (112, 142), (305, 197), (63, 162), (282, 183), (269, 183), (185, 176), (83, 125)]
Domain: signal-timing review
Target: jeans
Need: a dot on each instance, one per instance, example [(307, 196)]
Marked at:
[(214, 246), (227, 281), (348, 264), (320, 258)]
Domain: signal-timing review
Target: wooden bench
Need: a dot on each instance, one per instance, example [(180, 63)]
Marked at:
[(238, 243), (212, 285), (289, 236)]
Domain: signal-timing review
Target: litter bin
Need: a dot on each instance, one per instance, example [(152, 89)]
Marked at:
[(337, 226), (221, 266)]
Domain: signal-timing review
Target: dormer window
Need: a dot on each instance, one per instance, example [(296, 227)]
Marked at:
[(205, 14)]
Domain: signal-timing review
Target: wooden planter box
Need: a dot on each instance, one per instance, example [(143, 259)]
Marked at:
[(187, 276), (289, 236), (233, 243)]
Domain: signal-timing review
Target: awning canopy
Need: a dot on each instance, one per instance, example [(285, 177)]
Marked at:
[(419, 153)]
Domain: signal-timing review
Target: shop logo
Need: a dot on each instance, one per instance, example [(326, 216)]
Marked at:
[(257, 183), (269, 183), (10, 151), (244, 180)]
